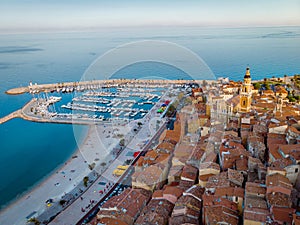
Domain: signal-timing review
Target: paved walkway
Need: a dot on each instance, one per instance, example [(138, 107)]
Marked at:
[(74, 212)]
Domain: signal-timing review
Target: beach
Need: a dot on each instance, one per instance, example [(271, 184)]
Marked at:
[(65, 178)]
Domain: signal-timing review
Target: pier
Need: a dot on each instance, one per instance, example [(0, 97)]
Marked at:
[(15, 114), (85, 85)]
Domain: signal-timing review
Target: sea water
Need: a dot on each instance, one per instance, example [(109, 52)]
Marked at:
[(29, 151)]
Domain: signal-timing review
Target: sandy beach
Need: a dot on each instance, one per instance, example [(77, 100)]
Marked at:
[(96, 148)]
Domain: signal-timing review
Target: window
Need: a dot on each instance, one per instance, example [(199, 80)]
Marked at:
[(296, 170), (244, 102)]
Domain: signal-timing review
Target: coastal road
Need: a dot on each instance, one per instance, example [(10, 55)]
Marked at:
[(74, 213)]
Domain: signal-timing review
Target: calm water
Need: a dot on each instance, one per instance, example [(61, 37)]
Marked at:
[(31, 151)]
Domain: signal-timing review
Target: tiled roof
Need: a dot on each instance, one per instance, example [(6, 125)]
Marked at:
[(278, 180), (180, 220), (211, 157), (172, 190), (229, 191), (241, 164), (185, 184), (255, 209), (255, 189), (189, 201), (166, 146), (278, 199), (189, 172), (283, 215), (126, 206), (156, 212), (211, 165), (195, 191), (235, 176), (281, 163), (218, 214)]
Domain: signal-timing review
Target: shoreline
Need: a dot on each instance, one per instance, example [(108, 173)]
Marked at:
[(66, 177), (49, 177)]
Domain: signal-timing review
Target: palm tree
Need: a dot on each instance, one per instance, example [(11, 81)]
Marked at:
[(34, 220), (85, 181)]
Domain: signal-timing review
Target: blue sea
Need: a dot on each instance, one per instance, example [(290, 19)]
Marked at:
[(29, 152)]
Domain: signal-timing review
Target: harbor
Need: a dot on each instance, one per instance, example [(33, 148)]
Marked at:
[(93, 102)]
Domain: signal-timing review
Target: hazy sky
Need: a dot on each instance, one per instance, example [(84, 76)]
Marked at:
[(75, 14)]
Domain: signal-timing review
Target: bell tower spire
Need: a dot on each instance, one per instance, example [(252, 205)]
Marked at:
[(246, 92)]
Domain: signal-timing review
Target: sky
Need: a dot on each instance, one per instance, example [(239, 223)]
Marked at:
[(22, 15)]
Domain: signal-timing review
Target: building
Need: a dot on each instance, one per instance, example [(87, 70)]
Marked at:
[(246, 93), (156, 212), (123, 209)]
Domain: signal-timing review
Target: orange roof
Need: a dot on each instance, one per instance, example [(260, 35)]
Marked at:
[(172, 190), (278, 180), (255, 188), (229, 191)]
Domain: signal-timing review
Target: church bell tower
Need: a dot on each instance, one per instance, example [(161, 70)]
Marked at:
[(246, 93)]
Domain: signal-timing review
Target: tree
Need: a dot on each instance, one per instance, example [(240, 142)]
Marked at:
[(85, 181), (62, 202), (139, 124), (92, 166), (267, 86), (122, 142), (256, 86), (171, 110), (103, 164), (34, 220)]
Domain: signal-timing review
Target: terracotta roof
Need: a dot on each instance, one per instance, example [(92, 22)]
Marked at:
[(211, 157), (157, 194), (235, 176), (281, 163), (211, 165), (282, 215), (278, 199), (195, 191), (172, 190), (292, 150), (109, 221), (241, 164), (166, 146), (185, 184), (197, 153), (205, 177), (156, 212), (188, 201), (255, 209), (180, 220), (278, 180), (219, 180), (255, 189), (150, 175), (229, 191), (126, 206), (235, 100), (219, 214), (296, 218)]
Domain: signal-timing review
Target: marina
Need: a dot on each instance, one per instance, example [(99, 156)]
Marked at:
[(93, 102)]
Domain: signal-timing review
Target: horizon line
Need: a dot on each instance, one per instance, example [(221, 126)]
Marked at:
[(99, 28)]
